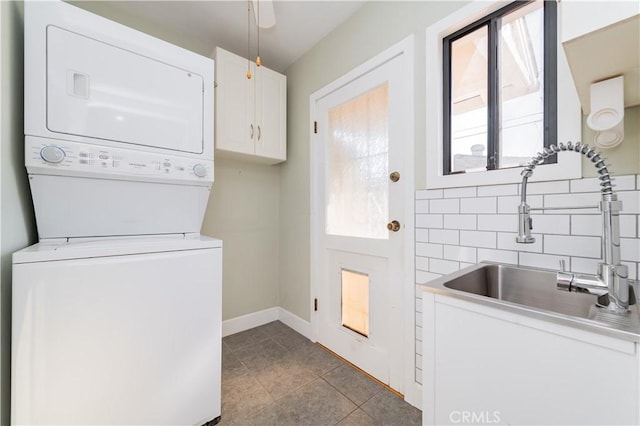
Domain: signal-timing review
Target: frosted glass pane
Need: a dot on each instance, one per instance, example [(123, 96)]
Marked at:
[(355, 302), (357, 198)]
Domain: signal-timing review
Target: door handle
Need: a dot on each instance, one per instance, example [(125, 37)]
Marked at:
[(251, 132), (259, 132), (395, 176), (394, 226)]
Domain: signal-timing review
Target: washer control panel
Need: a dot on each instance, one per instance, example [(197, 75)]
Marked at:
[(64, 157), (52, 154)]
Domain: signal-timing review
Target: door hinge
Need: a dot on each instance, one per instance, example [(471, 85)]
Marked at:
[(315, 305), (315, 127)]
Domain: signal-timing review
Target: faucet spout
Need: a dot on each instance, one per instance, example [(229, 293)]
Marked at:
[(611, 283)]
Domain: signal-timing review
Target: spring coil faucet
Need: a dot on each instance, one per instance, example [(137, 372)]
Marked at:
[(611, 284)]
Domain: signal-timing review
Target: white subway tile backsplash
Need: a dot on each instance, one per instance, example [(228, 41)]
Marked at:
[(486, 191), (507, 241), (509, 205), (621, 183), (422, 262), (444, 236), (419, 324), (630, 201), (586, 224), (422, 206), (478, 205), (628, 226), (460, 192), (585, 185), (461, 254), (584, 265), (422, 235), (572, 245), (465, 264), (445, 206), (478, 239), (554, 187), (429, 250), (625, 183), (551, 224), (592, 225), (428, 221), (444, 267), (424, 277), (630, 249), (631, 269), (418, 376), (460, 221), (546, 261), (502, 222), (589, 199), (501, 256), (428, 194)]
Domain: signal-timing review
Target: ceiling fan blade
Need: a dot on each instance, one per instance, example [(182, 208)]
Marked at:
[(267, 16)]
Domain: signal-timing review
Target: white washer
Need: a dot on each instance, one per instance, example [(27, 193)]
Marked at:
[(117, 331)]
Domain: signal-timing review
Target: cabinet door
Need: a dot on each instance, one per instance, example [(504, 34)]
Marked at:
[(271, 105), (234, 104)]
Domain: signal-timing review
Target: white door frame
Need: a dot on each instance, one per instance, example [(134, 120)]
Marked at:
[(403, 353)]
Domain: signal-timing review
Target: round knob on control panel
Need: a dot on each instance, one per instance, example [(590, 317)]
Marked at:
[(199, 170), (52, 154)]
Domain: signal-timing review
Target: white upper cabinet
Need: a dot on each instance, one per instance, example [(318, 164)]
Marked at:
[(250, 113), (601, 40)]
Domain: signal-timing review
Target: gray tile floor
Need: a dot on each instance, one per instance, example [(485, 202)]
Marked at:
[(271, 375)]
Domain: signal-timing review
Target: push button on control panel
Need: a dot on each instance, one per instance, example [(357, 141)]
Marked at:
[(52, 154), (199, 170)]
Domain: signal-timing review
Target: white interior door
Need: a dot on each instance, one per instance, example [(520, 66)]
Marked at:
[(359, 144)]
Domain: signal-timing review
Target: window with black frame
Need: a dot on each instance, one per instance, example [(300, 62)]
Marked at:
[(500, 88)]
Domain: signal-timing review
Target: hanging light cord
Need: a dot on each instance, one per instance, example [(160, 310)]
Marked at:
[(258, 61), (249, 39)]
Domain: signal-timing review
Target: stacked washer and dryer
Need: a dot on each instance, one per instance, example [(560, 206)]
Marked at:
[(117, 309)]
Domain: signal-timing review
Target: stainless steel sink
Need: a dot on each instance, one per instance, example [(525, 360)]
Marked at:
[(534, 291)]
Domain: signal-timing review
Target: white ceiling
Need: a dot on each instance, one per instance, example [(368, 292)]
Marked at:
[(300, 24)]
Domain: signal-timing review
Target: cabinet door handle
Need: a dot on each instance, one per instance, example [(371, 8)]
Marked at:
[(252, 131), (259, 132)]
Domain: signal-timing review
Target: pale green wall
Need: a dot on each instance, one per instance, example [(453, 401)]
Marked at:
[(17, 228), (625, 158), (243, 212), (373, 28)]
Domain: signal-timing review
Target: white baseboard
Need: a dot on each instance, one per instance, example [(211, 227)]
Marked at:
[(298, 324), (256, 319), (252, 320)]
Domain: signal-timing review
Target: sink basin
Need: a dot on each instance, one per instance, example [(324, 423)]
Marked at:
[(533, 290)]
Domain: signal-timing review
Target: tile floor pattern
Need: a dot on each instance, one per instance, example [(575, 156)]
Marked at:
[(271, 375)]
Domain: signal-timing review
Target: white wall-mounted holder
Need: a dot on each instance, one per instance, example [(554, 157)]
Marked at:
[(607, 112)]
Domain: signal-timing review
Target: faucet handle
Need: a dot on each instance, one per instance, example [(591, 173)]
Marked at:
[(562, 266)]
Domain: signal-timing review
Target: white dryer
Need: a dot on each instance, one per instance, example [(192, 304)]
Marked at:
[(117, 310)]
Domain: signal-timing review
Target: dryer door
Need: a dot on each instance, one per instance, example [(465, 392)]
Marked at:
[(100, 91)]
